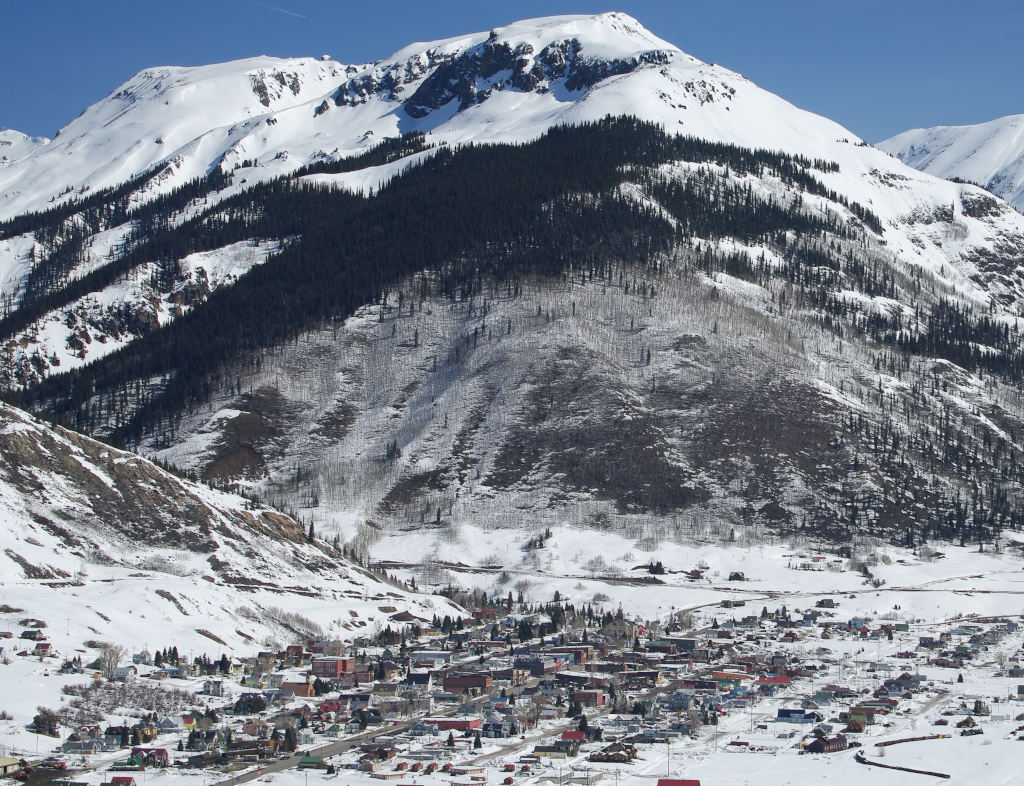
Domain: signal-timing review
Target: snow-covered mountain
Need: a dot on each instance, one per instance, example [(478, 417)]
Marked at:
[(779, 328), (260, 118), (107, 543), (509, 84), (990, 154), (183, 118), (15, 145)]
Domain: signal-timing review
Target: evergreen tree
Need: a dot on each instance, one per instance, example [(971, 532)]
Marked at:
[(290, 742)]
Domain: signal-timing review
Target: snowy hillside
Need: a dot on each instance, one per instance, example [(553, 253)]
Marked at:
[(184, 118), (103, 545), (990, 154)]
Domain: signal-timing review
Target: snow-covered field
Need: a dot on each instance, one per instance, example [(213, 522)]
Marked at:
[(962, 583)]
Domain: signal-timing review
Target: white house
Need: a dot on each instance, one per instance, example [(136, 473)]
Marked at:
[(125, 674), (213, 688)]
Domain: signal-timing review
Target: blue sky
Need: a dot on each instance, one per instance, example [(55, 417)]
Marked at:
[(876, 67)]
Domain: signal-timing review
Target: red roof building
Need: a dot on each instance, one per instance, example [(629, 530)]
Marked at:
[(332, 667), (780, 680)]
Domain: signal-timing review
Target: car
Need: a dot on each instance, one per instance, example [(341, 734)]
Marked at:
[(54, 764)]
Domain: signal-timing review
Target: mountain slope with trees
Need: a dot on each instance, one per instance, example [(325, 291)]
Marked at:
[(660, 303)]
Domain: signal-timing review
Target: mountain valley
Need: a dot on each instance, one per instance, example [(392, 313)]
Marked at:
[(535, 385)]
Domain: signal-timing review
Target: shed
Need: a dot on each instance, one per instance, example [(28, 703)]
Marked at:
[(9, 766)]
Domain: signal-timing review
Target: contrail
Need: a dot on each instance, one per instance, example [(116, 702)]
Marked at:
[(281, 10)]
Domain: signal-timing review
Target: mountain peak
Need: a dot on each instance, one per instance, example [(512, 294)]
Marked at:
[(265, 117), (562, 55), (15, 145), (990, 154), (277, 112), (608, 34)]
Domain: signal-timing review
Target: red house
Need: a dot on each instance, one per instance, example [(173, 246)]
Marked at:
[(457, 683), (303, 689), (332, 667), (589, 698), (455, 724), (154, 757)]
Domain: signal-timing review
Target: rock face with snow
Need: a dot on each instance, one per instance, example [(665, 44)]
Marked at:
[(185, 118), (990, 154), (777, 329)]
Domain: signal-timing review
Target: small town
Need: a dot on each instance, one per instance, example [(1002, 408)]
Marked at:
[(528, 694), (512, 394)]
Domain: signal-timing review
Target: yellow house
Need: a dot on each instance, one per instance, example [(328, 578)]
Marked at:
[(9, 766)]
